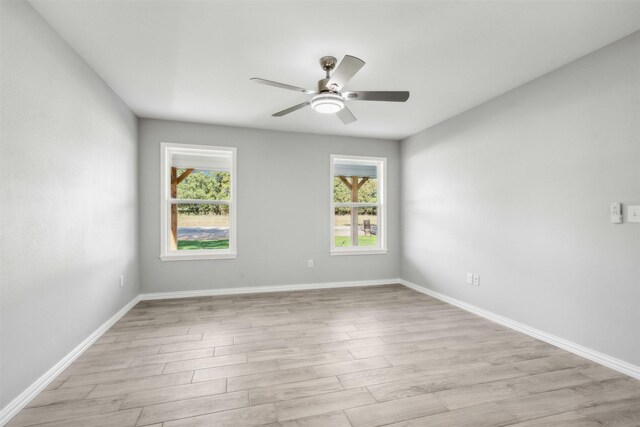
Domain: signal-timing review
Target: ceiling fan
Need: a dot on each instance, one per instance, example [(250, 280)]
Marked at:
[(329, 97)]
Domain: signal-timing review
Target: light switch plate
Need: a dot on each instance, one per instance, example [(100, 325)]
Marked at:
[(616, 213), (633, 213)]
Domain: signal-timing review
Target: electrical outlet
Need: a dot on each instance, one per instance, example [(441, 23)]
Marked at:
[(310, 263), (469, 278), (476, 280), (122, 281)]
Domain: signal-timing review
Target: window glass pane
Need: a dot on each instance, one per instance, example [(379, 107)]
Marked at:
[(368, 226), (341, 194), (364, 226), (202, 184), (368, 191), (342, 227), (201, 226)]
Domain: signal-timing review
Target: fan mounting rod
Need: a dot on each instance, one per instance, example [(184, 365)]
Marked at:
[(328, 63)]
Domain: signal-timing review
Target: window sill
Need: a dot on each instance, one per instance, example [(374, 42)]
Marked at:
[(340, 252), (193, 257)]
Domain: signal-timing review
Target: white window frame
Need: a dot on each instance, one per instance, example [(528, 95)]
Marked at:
[(381, 164), (166, 253)]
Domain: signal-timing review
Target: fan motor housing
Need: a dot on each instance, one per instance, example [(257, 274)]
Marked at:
[(322, 86)]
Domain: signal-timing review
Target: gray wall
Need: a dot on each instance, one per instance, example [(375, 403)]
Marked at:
[(283, 209), (518, 189), (69, 190)]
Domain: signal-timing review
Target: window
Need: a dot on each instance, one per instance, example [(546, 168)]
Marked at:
[(198, 208), (358, 211)]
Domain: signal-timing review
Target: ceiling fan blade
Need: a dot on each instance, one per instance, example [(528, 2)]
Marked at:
[(398, 96), (347, 68), (346, 116), (291, 109), (281, 85)]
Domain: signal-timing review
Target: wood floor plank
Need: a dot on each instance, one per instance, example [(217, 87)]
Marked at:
[(383, 350), (384, 413), (246, 417), (447, 341), (112, 419), (147, 342), (173, 393), (369, 333), (310, 328), (420, 336), (315, 405), (444, 366), (548, 381), (276, 393), (332, 419), (350, 366), (283, 353), (157, 333), (164, 412), (477, 394), (202, 363), (431, 383), (350, 344), (193, 345), (66, 411), (260, 337), (171, 357), (113, 375), (99, 351), (272, 378), (610, 390), (138, 384), (314, 359), (318, 339), (379, 376), (566, 419), (544, 404), (235, 370), (49, 397), (550, 363), (383, 355), (599, 372), (92, 366), (625, 412), (246, 348), (488, 415)]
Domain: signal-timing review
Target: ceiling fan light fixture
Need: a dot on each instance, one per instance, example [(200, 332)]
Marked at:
[(327, 103), (329, 98)]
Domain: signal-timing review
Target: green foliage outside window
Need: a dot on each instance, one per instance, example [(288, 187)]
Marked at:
[(202, 185)]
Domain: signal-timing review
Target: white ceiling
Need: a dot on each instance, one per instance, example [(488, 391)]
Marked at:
[(192, 60)]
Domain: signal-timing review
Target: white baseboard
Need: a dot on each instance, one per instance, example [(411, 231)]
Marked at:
[(264, 289), (23, 399), (588, 353)]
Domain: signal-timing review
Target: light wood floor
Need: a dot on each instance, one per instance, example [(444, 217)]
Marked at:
[(383, 355)]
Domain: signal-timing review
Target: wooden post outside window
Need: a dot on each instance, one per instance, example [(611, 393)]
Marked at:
[(174, 210), (354, 186), (354, 211), (175, 180)]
